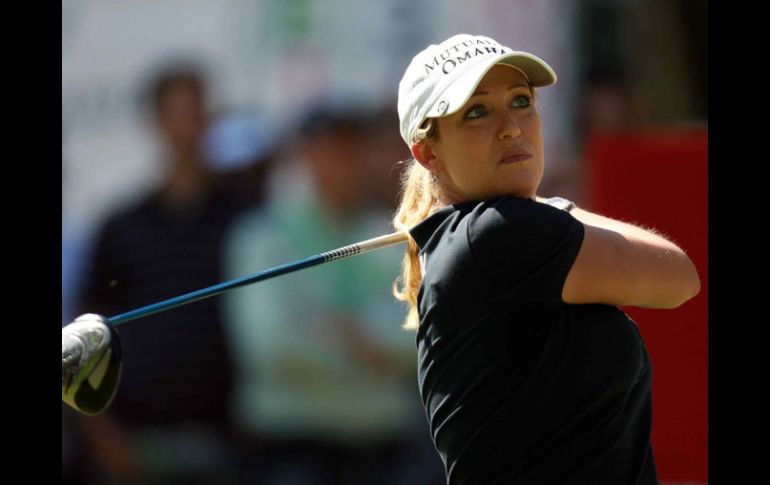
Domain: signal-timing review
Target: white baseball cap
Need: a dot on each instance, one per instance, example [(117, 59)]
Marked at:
[(441, 78)]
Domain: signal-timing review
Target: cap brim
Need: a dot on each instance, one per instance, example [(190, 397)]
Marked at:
[(457, 94)]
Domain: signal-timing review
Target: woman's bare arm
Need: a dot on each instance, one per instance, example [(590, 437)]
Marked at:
[(625, 265)]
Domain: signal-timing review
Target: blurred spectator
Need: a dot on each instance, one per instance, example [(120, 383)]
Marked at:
[(383, 151), (169, 420), (607, 105), (325, 389), (240, 147)]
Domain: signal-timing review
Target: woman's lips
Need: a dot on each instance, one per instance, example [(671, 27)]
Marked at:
[(516, 158)]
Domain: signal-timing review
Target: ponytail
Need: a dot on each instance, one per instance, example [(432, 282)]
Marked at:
[(419, 199)]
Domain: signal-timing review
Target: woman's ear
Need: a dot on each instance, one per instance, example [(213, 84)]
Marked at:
[(425, 156)]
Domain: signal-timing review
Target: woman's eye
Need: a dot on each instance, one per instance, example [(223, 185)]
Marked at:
[(475, 112), (521, 101)]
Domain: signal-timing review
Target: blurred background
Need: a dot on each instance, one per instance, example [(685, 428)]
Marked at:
[(208, 140)]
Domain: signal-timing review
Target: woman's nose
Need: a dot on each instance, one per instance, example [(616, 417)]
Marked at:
[(509, 126)]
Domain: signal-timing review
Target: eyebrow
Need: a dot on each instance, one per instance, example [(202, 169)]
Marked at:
[(518, 85)]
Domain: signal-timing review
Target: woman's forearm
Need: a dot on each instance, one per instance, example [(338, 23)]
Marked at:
[(681, 277), (628, 265), (597, 220), (625, 228)]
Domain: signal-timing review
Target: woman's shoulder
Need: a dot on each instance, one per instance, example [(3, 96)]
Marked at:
[(476, 214), (505, 204), (496, 226), (518, 211)]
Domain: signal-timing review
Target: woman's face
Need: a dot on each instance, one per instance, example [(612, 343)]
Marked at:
[(493, 145)]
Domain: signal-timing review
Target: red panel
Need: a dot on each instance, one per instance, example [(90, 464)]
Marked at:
[(660, 179)]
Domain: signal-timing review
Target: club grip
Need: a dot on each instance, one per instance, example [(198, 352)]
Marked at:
[(364, 246)]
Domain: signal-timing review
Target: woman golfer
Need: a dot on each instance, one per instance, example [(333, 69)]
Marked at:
[(528, 370)]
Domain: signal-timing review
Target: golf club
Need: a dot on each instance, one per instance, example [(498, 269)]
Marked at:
[(91, 355)]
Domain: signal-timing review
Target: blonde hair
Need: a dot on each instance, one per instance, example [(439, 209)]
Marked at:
[(419, 199)]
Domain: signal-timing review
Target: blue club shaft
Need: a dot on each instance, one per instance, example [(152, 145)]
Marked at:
[(333, 255)]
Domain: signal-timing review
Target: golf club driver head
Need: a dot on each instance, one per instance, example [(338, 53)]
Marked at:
[(91, 364)]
